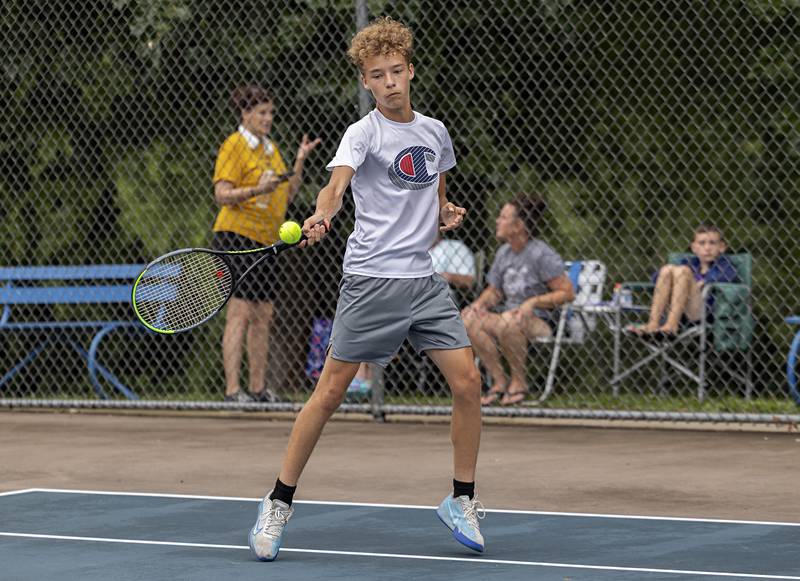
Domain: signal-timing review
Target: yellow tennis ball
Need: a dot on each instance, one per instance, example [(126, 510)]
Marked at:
[(290, 232)]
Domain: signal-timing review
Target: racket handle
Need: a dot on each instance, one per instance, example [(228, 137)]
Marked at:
[(320, 223)]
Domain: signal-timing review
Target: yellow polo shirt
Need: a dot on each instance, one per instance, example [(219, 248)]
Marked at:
[(241, 160)]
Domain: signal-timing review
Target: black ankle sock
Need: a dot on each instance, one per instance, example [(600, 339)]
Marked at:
[(463, 489), (283, 492)]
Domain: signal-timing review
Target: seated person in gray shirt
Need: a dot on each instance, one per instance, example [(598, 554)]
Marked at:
[(528, 276)]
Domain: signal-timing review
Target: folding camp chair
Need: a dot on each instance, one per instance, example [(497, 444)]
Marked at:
[(588, 278), (791, 361), (728, 328)]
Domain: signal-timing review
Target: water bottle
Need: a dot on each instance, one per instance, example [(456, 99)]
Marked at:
[(626, 298), (616, 296)]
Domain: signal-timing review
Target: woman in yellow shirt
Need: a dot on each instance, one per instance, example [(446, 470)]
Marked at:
[(253, 188)]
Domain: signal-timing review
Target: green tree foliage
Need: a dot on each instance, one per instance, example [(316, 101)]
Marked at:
[(636, 119)]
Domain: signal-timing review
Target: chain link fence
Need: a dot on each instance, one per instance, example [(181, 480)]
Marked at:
[(635, 121)]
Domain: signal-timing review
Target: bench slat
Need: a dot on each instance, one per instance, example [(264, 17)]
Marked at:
[(65, 295), (82, 272), (66, 325)]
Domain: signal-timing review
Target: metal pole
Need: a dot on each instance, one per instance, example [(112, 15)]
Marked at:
[(617, 332), (364, 107), (362, 19)]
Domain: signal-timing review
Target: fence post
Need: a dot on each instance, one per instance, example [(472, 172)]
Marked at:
[(362, 19), (364, 106)]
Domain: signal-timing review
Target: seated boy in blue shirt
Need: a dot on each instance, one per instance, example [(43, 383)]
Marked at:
[(679, 287)]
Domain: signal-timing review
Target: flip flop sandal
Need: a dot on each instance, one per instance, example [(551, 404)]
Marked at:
[(514, 397), (492, 397), (638, 330)]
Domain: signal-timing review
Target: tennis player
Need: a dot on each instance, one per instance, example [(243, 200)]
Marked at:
[(395, 161)]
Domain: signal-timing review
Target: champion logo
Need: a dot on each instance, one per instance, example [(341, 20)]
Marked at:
[(409, 170)]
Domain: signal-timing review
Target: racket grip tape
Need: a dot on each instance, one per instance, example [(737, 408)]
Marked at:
[(320, 223)]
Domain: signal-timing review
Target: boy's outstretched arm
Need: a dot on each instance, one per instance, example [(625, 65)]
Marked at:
[(329, 201)]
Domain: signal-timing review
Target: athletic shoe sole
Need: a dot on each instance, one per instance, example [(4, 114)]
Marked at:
[(460, 537)]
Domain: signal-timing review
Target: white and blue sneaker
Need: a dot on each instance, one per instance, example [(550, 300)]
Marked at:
[(461, 515), (265, 536)]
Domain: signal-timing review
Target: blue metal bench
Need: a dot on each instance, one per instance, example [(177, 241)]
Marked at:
[(67, 285), (791, 361)]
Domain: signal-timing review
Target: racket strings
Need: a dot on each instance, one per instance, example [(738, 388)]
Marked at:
[(183, 290)]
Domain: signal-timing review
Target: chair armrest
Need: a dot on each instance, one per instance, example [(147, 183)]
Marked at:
[(638, 285), (731, 290)]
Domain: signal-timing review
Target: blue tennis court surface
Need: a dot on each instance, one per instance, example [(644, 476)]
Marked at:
[(89, 535)]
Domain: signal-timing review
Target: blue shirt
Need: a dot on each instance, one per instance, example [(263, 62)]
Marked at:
[(721, 270)]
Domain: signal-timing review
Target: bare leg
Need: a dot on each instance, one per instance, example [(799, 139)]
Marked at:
[(482, 331), (682, 287), (514, 345), (458, 367), (233, 341), (258, 344), (327, 396), (661, 296), (694, 308)]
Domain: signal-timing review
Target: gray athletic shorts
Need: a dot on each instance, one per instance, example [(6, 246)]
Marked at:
[(375, 315)]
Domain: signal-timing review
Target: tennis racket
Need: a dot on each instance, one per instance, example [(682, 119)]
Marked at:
[(185, 288)]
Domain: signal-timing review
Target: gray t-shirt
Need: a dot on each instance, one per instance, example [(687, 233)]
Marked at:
[(525, 274)]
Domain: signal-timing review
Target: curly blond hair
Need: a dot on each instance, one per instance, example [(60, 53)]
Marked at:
[(383, 36)]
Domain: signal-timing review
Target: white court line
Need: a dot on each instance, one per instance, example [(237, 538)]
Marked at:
[(123, 541), (146, 494), (24, 491), (416, 506), (474, 560)]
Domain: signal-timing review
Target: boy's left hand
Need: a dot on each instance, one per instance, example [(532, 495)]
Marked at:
[(452, 216)]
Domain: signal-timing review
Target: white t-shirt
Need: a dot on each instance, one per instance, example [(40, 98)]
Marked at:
[(395, 189), (454, 257)]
